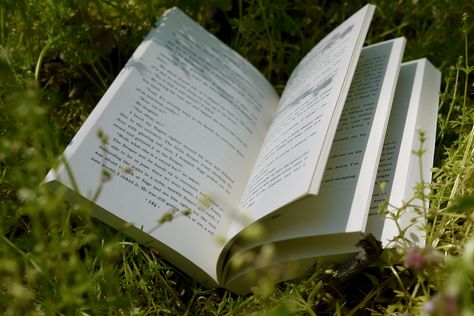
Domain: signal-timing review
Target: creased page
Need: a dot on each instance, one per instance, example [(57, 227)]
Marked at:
[(300, 136), (186, 117)]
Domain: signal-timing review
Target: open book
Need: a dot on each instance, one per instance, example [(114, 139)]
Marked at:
[(201, 150)]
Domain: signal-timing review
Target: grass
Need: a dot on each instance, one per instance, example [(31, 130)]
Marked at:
[(58, 57)]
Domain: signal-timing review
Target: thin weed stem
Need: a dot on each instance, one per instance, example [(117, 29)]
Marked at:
[(70, 174), (101, 86), (2, 25), (263, 11), (42, 54), (467, 153), (26, 257), (467, 69), (451, 105), (97, 73)]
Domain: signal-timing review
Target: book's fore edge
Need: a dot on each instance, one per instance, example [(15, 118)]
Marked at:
[(318, 173), (230, 242), (241, 286), (358, 220), (426, 121), (290, 259), (143, 238), (264, 80)]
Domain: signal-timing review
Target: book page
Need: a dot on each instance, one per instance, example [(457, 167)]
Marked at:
[(186, 117), (415, 107), (344, 200), (302, 129), (331, 223)]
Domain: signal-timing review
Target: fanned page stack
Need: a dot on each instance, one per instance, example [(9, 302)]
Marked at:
[(196, 133)]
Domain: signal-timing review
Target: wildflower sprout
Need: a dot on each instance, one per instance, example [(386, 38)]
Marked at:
[(102, 136), (383, 186), (253, 232), (106, 175), (166, 218), (205, 200), (186, 212), (127, 170), (419, 259)]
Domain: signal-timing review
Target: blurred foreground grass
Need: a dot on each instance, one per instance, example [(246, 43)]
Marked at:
[(57, 58)]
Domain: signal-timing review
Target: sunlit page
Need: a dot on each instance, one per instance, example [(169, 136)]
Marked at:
[(187, 116)]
